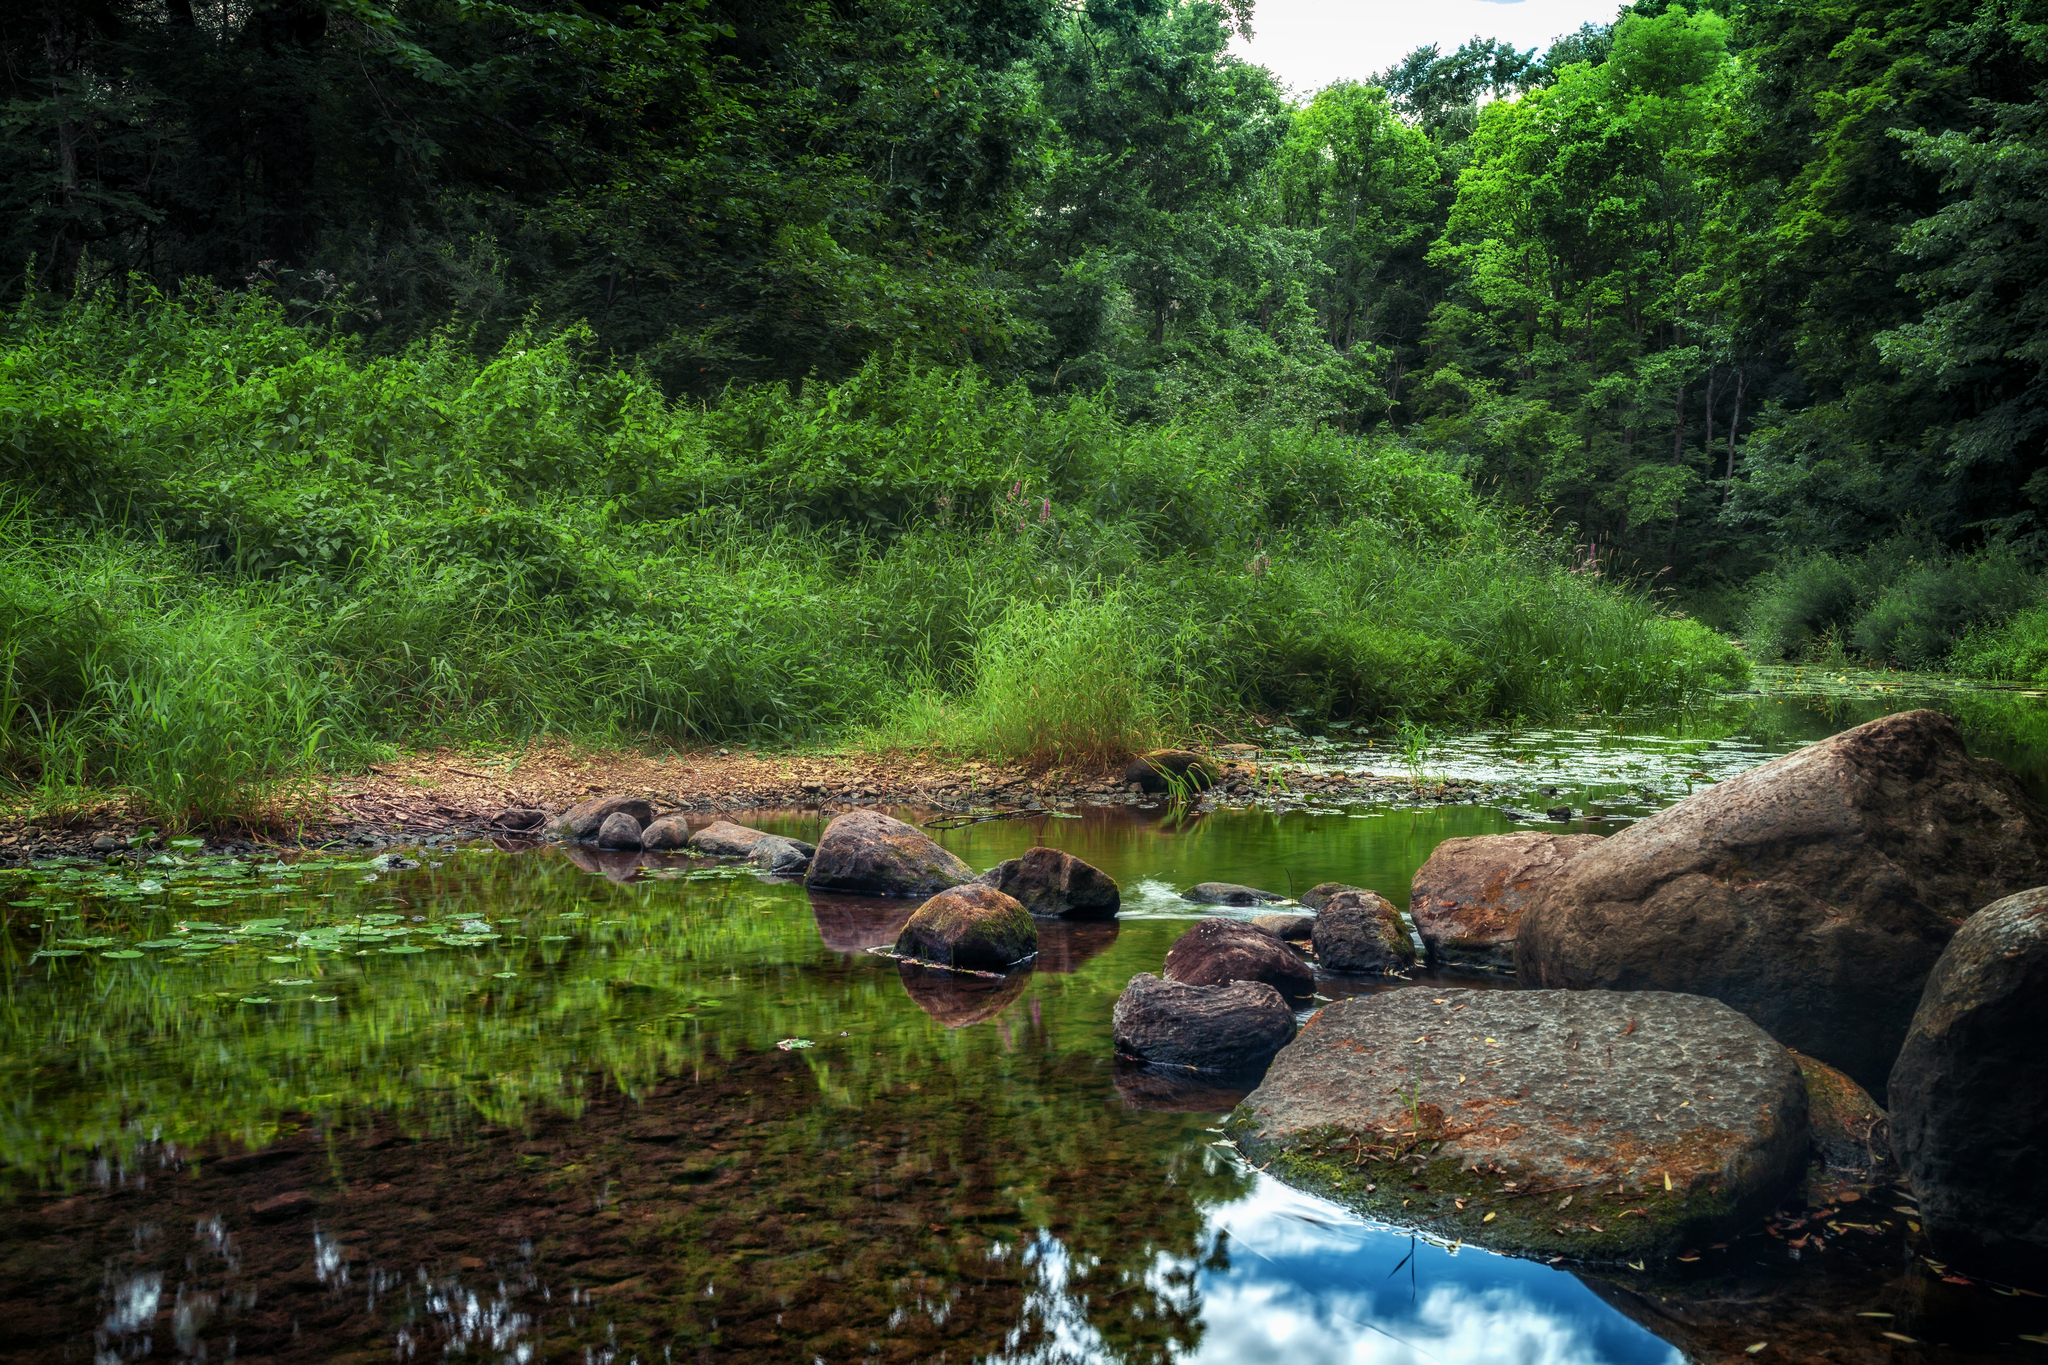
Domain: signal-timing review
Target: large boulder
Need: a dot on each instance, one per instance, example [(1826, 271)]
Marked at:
[(1229, 893), (619, 830), (974, 926), (1361, 931), (1813, 893), (1218, 951), (1150, 772), (1591, 1124), (877, 855), (584, 819), (1468, 899), (1969, 1094), (1055, 884), (1226, 1030)]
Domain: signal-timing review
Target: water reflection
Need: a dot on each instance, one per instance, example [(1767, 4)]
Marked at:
[(958, 999), (854, 924)]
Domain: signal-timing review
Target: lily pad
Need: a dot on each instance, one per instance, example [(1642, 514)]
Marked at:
[(402, 948), (58, 952), (255, 999), (275, 958), (323, 999), (123, 953), (504, 976), (291, 981), (164, 943), (554, 938)]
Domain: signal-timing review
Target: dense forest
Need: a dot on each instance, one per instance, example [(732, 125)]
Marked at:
[(1739, 303)]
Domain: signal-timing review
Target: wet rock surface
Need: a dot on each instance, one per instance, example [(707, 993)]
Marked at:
[(1813, 893), (1850, 1132), (1049, 882), (1969, 1094), (1225, 1030), (1468, 899), (1595, 1125), (1229, 893), (1217, 951), (1317, 896), (1361, 932), (666, 835), (971, 926), (586, 818), (879, 855), (619, 830)]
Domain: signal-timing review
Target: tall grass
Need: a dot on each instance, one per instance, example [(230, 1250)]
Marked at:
[(247, 552)]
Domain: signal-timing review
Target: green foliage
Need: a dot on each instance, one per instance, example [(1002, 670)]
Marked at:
[(249, 551), (2016, 650), (1898, 603)]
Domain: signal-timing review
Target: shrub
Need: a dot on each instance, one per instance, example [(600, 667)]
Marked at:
[(2015, 651)]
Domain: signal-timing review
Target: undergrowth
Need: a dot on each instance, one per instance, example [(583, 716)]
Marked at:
[(241, 553)]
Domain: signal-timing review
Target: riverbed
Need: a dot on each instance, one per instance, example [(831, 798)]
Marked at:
[(542, 1104)]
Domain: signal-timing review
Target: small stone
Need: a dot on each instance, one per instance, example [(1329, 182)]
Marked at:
[(667, 834), (1286, 928), (1229, 893), (584, 819), (1055, 884), (1561, 814), (1849, 1130), (620, 830), (1361, 931), (971, 926), (1217, 951), (1225, 1029), (109, 843)]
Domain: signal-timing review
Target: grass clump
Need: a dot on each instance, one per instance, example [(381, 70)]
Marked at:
[(251, 552)]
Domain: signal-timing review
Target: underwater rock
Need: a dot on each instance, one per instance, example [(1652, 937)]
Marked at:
[(1969, 1094), (667, 834), (878, 855), (1228, 1029), (584, 819), (1813, 893), (1591, 1124), (1849, 1130), (1147, 770), (1361, 931), (1055, 884), (1286, 928), (1229, 893), (1217, 951), (775, 853), (972, 926), (619, 830), (957, 1000), (1468, 899)]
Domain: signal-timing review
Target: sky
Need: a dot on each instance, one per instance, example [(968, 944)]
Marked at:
[(1309, 43)]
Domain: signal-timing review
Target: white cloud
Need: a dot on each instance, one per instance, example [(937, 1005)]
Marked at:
[(1309, 43)]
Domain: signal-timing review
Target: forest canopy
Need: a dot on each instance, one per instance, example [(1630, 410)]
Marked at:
[(1713, 285)]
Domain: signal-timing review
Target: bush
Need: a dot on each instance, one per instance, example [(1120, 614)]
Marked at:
[(256, 552), (2016, 651), (1918, 620)]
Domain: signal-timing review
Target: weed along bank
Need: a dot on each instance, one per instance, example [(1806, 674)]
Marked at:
[(958, 1059)]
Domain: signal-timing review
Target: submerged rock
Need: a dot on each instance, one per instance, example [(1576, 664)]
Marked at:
[(1468, 899), (782, 857), (1229, 893), (1286, 928), (971, 926), (619, 830), (1849, 1130), (1361, 931), (956, 1000), (392, 862), (775, 853), (1055, 884), (878, 855), (1227, 1029), (1217, 951), (667, 834), (1592, 1124), (1150, 771), (584, 819), (1813, 893), (1969, 1094)]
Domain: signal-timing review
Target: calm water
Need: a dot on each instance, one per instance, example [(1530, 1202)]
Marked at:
[(526, 1106)]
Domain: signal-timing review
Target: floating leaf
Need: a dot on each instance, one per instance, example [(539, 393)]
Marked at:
[(502, 976), (291, 981), (554, 938), (58, 952), (402, 948), (792, 1044), (275, 958), (255, 999), (1489, 1217), (188, 843), (165, 943), (323, 999), (123, 953)]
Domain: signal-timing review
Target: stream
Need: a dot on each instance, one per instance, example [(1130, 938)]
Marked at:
[(531, 1104)]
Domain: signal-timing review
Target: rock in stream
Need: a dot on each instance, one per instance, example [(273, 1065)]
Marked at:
[(878, 855)]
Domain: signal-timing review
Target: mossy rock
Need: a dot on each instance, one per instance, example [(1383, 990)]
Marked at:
[(1601, 1126)]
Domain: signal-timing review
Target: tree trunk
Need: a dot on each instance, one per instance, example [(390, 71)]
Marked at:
[(1734, 424)]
